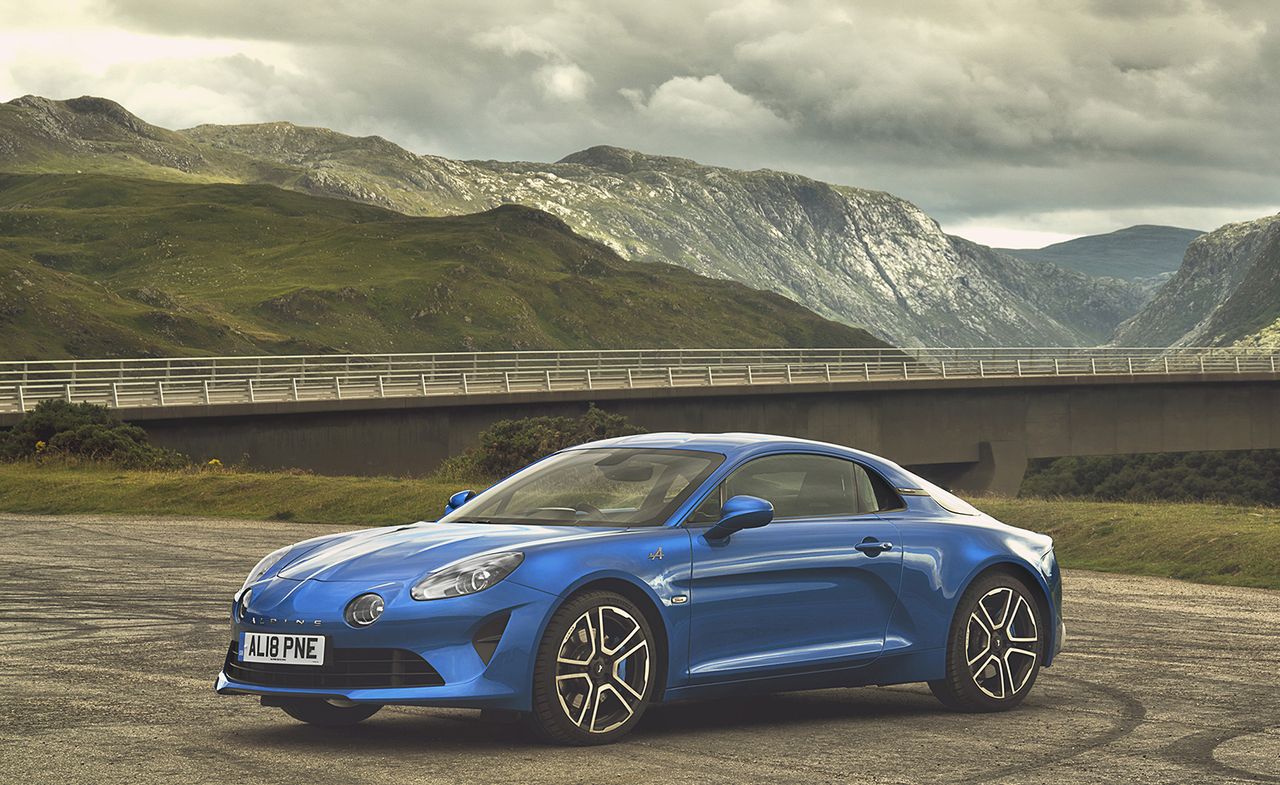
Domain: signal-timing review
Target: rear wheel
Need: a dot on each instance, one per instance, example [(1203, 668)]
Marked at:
[(994, 648), (595, 671), (318, 711)]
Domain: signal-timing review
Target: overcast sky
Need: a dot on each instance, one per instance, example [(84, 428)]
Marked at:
[(1014, 122)]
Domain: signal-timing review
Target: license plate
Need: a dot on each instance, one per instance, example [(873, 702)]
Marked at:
[(282, 648)]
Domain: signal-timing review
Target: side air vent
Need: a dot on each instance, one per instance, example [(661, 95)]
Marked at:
[(487, 636)]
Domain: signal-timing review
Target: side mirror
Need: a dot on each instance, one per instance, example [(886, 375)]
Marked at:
[(741, 512), (458, 499)]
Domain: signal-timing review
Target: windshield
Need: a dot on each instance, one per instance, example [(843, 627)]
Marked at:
[(601, 487)]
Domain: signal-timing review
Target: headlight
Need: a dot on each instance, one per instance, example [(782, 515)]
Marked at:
[(267, 563), (364, 610), (467, 576)]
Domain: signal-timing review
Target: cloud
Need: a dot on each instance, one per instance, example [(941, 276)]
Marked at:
[(707, 103), (1032, 113), (566, 82)]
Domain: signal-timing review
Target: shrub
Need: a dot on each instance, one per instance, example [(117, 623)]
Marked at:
[(510, 445), (1236, 477), (61, 430)]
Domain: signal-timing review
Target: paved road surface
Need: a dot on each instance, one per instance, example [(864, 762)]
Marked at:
[(111, 631)]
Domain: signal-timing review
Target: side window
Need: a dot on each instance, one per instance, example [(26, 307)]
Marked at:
[(799, 485), (709, 511), (881, 496)]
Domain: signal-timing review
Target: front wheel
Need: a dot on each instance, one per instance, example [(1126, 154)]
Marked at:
[(595, 671), (994, 648), (318, 711)]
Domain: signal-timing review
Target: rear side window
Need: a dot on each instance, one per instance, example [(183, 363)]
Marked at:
[(802, 486)]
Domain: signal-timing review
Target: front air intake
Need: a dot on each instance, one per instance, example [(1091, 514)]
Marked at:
[(346, 669)]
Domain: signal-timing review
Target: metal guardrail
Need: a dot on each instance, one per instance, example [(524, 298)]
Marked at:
[(146, 382)]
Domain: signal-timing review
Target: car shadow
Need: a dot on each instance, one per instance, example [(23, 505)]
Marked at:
[(402, 729)]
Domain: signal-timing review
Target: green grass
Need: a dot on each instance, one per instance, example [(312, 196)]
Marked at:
[(1207, 543), (94, 265), (221, 493)]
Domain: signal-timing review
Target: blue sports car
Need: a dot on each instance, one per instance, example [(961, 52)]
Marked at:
[(622, 573)]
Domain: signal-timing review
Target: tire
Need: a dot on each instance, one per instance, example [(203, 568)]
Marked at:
[(994, 650), (318, 711), (594, 672)]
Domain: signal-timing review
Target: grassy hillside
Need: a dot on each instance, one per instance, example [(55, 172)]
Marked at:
[(860, 257), (107, 266), (1206, 543), (1133, 253), (1201, 542)]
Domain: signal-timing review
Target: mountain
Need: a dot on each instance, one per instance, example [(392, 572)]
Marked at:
[(100, 265), (1136, 253), (1226, 291), (860, 257)]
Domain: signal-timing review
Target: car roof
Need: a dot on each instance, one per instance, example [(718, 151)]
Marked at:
[(736, 446)]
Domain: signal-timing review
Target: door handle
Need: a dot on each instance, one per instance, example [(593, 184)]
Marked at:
[(874, 547)]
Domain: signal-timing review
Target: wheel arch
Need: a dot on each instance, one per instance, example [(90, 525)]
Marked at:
[(1040, 589), (644, 599)]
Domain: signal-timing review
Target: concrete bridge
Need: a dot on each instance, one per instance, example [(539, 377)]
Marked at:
[(968, 418)]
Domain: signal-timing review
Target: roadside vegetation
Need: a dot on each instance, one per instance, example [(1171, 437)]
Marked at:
[(1208, 543), (1203, 542), (1247, 477), (64, 459)]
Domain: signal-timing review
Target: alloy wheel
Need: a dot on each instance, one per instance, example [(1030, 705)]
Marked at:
[(602, 669), (1002, 643)]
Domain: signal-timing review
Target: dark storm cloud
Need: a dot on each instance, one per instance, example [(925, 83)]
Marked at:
[(972, 108)]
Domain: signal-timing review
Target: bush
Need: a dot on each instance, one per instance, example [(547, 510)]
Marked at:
[(509, 445), (61, 430), (1239, 477)]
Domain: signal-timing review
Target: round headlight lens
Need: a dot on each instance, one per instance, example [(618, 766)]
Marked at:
[(364, 610), (244, 602)]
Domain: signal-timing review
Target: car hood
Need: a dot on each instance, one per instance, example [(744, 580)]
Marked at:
[(408, 552)]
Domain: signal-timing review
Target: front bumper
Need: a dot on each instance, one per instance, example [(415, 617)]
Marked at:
[(444, 633)]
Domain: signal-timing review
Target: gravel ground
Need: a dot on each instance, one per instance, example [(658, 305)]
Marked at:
[(112, 629)]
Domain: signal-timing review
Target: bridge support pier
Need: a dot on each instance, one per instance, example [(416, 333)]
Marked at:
[(999, 469)]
